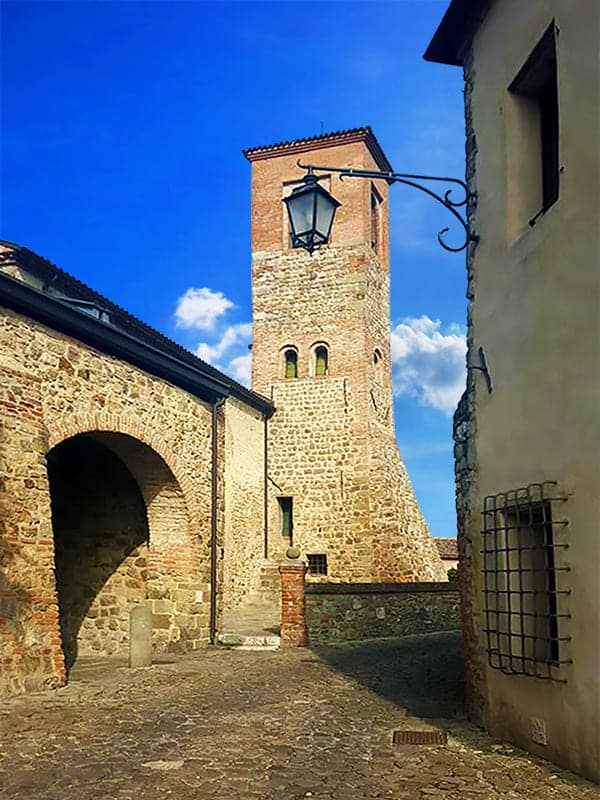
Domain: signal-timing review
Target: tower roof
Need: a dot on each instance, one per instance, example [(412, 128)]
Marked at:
[(334, 139)]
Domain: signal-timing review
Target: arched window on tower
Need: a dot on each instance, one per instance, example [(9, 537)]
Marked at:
[(290, 362), (321, 360)]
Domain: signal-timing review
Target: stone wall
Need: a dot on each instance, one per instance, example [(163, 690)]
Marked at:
[(464, 447), (347, 612), (315, 458), (244, 478)]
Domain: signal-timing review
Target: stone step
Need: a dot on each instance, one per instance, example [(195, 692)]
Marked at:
[(245, 642)]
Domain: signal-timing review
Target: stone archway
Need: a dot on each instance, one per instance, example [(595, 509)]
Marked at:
[(122, 536)]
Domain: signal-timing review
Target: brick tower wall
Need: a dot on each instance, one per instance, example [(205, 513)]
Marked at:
[(331, 441)]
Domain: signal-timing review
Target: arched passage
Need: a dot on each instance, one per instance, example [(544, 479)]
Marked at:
[(122, 537)]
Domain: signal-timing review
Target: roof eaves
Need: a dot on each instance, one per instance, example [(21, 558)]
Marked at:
[(458, 25), (364, 134), (27, 260)]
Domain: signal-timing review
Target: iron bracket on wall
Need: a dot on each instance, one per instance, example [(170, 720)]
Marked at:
[(414, 181), (483, 367)]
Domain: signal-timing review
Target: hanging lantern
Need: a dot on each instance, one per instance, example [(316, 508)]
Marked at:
[(311, 210)]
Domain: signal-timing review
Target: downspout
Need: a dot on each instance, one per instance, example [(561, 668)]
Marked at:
[(214, 498), (266, 489)]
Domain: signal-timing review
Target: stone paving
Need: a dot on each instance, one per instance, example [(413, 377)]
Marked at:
[(267, 726)]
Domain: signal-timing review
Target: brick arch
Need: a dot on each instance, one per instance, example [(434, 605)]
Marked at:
[(178, 523), (70, 425)]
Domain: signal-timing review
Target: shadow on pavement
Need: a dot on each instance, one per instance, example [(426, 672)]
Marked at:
[(422, 674)]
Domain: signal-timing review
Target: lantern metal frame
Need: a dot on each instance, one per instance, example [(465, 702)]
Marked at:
[(309, 240), (408, 180)]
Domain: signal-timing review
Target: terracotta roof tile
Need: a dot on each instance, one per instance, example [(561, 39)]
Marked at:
[(326, 139)]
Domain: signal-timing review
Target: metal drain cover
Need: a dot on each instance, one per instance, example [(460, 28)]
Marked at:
[(419, 737)]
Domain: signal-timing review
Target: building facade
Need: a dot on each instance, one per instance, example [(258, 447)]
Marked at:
[(125, 479), (337, 486), (134, 473), (528, 453)]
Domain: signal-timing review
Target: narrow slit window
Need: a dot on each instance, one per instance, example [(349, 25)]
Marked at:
[(375, 217), (291, 363), (321, 361), (286, 511)]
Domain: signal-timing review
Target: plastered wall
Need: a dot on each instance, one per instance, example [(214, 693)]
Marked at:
[(534, 307)]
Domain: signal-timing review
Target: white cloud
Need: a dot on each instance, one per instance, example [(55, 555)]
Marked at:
[(427, 363), (233, 335), (233, 344), (200, 308), (241, 368)]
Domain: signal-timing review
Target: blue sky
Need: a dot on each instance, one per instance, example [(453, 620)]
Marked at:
[(122, 131)]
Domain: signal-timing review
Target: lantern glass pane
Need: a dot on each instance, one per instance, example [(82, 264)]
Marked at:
[(325, 211), (301, 212)]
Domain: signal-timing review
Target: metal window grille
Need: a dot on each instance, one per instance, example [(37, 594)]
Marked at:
[(525, 581), (317, 563)]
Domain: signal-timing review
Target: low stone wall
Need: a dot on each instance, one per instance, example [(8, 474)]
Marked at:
[(341, 612)]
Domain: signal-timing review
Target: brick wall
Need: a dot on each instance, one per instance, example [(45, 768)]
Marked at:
[(347, 612)]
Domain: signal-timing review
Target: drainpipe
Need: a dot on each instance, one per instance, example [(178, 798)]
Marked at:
[(214, 497), (266, 490)]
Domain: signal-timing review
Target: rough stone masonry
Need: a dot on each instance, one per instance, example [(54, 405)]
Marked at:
[(332, 449)]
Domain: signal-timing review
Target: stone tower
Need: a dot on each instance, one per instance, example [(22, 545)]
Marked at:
[(337, 486)]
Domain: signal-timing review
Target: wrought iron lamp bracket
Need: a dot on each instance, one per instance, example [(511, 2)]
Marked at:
[(483, 368), (415, 182)]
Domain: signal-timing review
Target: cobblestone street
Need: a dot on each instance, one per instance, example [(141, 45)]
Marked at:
[(270, 725)]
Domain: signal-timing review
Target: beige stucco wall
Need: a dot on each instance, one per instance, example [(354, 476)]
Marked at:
[(535, 310)]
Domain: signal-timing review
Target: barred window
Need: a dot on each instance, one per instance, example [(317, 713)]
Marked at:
[(524, 580), (317, 563)]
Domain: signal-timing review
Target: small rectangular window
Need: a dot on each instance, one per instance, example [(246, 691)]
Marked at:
[(317, 563), (286, 510), (536, 90)]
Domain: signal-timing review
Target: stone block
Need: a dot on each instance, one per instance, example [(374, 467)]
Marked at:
[(140, 637), (161, 621)]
